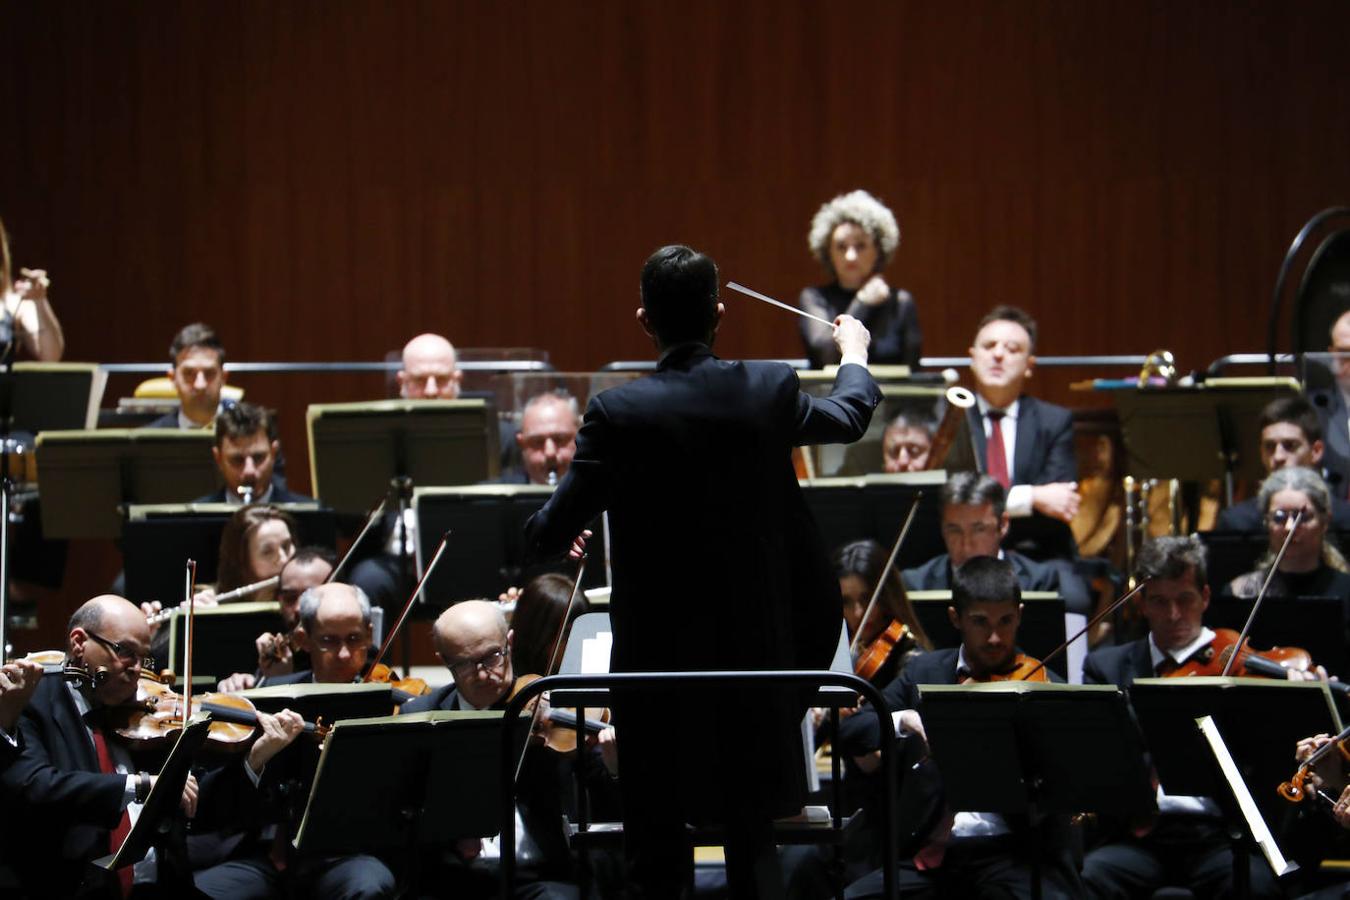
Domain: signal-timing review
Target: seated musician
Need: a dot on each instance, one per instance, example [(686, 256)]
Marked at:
[(335, 630), (1311, 566), (1334, 410), (547, 439), (76, 786), (858, 566), (906, 442), (197, 369), (277, 654), (538, 613), (986, 854), (25, 304), (1187, 845), (246, 454), (18, 681), (474, 642), (974, 523), (430, 369), (1291, 435)]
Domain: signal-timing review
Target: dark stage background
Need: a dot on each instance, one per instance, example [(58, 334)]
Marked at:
[(322, 180)]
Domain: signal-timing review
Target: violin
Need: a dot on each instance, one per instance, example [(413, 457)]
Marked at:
[(1296, 789), (557, 728), (1272, 663), (1024, 668), (870, 659), (404, 689)]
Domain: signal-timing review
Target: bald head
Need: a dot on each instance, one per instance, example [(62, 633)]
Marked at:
[(110, 634), (430, 370), (475, 644)]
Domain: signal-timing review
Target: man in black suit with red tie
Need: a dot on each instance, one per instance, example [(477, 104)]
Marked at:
[(717, 564)]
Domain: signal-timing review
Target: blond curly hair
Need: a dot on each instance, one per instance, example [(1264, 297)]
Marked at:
[(863, 210)]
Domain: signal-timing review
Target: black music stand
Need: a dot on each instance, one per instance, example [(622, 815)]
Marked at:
[(875, 506), (177, 531), (1016, 747), (1041, 631), (87, 477), (164, 799), (437, 781), (329, 702), (225, 637), (57, 396), (356, 450), (486, 552)]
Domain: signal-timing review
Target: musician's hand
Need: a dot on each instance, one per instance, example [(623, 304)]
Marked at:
[(907, 721), (239, 681), (18, 680), (510, 595), (1058, 501), (1308, 746), (868, 762), (579, 545), (152, 609), (189, 801), (468, 848), (1341, 811), (275, 733), (875, 292), (32, 284), (851, 336), (1318, 673), (205, 597), (274, 655), (609, 750)]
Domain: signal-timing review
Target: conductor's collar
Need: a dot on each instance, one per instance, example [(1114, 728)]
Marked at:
[(682, 353)]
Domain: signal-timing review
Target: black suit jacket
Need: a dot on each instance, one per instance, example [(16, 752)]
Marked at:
[(1044, 449), (717, 563), (280, 494), (936, 574), (1119, 665), (1330, 406)]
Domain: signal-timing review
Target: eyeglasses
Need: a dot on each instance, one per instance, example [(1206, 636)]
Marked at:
[(127, 653), (1282, 517), (331, 643), (488, 662)]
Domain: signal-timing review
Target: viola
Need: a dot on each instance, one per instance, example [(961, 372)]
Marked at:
[(1024, 668)]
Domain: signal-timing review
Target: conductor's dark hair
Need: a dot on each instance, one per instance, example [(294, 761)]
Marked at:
[(984, 579), (1172, 557), (1295, 411), (244, 420), (679, 293), (198, 334), (974, 489), (1012, 314)]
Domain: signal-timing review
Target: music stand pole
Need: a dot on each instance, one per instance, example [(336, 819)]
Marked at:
[(6, 486)]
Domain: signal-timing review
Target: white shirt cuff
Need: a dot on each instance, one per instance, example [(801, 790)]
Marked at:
[(9, 738), (895, 721), (857, 359), (1018, 504), (253, 776)]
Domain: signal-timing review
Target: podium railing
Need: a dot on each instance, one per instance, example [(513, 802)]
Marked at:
[(666, 681)]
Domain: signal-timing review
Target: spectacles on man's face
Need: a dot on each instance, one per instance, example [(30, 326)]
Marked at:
[(332, 643), (126, 652), (1282, 517), (488, 662)]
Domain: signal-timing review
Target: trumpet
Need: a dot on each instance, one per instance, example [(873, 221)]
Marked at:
[(238, 593)]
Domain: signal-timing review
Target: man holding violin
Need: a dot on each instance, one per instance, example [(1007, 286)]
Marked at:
[(1187, 844), (76, 778), (18, 681)]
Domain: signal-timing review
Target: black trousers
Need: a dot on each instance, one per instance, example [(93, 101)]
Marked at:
[(1181, 851)]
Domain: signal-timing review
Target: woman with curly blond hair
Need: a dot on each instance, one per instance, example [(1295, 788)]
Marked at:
[(854, 236)]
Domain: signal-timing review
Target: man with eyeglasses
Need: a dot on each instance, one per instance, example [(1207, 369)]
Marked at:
[(335, 630), (75, 779), (474, 642), (974, 522), (1187, 845), (277, 654)]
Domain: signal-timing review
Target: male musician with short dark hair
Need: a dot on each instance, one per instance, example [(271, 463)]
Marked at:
[(246, 453), (1187, 845), (197, 370), (698, 456), (906, 442), (986, 854)]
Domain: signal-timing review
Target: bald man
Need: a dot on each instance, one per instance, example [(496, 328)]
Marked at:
[(430, 371), (75, 781), (474, 641)]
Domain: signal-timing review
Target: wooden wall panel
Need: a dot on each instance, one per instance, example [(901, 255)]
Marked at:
[(322, 180)]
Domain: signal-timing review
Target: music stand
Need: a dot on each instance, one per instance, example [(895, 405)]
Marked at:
[(329, 702), (1041, 631), (164, 798), (1017, 747), (357, 449), (57, 396), (874, 507), (437, 781), (486, 552), (86, 477), (224, 637), (153, 533)]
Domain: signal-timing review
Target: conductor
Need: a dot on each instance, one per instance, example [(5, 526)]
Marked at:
[(717, 564)]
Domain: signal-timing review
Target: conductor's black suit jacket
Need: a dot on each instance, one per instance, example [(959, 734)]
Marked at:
[(716, 561)]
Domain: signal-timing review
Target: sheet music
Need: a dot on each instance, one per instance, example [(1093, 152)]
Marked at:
[(1255, 821), (595, 653)]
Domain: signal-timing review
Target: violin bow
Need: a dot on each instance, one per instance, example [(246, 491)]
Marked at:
[(189, 585), (371, 519), (553, 656), (885, 573), (407, 607), (1086, 628), (1260, 597)]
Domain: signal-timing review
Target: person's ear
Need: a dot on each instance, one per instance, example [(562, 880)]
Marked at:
[(302, 638), (717, 318), (645, 322), (215, 454), (954, 617), (1031, 366), (1316, 450)]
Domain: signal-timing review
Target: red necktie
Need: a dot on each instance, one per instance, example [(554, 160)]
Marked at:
[(125, 875), (995, 460)]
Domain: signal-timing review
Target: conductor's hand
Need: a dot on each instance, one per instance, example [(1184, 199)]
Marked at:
[(579, 545), (1058, 501), (275, 732), (18, 680), (851, 336)]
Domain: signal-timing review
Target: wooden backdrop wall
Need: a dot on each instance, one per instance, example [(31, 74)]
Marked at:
[(323, 179)]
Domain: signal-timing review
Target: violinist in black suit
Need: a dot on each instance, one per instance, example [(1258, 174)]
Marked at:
[(717, 564), (972, 853), (1187, 845)]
